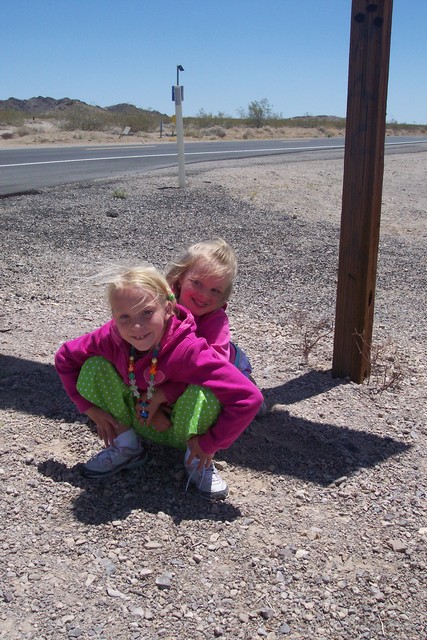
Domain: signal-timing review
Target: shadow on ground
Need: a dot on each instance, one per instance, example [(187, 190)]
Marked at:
[(279, 444), (34, 388), (157, 486)]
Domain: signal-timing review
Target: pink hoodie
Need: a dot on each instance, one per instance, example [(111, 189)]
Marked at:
[(183, 359), (215, 328)]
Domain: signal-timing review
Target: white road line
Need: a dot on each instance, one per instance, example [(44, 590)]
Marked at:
[(166, 155), (193, 153), (128, 146)]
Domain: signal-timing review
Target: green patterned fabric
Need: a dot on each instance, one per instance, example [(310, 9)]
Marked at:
[(193, 413)]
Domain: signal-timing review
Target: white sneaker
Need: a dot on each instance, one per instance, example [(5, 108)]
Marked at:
[(112, 460), (208, 481)]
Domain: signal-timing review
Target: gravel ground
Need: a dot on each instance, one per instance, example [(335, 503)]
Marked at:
[(324, 532)]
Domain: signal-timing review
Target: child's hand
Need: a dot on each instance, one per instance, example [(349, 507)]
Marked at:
[(153, 407), (106, 425), (197, 452), (160, 421)]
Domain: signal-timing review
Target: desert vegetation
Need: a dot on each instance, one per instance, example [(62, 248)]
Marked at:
[(49, 120)]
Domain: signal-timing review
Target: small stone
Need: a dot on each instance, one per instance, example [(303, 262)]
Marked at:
[(89, 580), (398, 545), (66, 619), (302, 553), (75, 632), (164, 581), (314, 533), (152, 544), (284, 629), (266, 613), (110, 568), (116, 594), (218, 632)]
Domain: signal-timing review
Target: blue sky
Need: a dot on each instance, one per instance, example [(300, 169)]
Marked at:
[(294, 53)]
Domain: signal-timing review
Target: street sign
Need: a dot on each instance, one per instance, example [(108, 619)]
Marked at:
[(178, 94)]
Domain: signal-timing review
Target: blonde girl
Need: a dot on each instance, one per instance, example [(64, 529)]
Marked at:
[(149, 356)]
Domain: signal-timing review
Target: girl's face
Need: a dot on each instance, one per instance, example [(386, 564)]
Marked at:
[(140, 317), (201, 293)]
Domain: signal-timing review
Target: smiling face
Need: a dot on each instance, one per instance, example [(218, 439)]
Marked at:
[(201, 293), (140, 317)]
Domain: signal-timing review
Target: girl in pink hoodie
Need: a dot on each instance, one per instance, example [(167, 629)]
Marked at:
[(202, 281), (147, 356)]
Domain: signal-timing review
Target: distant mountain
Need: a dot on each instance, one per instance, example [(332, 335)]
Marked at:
[(123, 107), (35, 106), (40, 105)]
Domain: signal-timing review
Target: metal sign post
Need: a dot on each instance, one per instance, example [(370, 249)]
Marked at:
[(178, 96)]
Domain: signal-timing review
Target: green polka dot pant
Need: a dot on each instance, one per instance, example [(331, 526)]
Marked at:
[(193, 413)]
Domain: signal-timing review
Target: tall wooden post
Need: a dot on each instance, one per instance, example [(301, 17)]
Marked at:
[(362, 186)]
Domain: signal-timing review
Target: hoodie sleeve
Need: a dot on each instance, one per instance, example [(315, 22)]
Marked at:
[(71, 356), (239, 397)]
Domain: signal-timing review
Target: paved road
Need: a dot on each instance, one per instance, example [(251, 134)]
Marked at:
[(24, 170)]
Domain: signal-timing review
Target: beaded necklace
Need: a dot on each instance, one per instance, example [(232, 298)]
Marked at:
[(141, 406)]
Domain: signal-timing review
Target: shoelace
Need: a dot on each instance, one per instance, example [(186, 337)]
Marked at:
[(107, 453), (202, 475)]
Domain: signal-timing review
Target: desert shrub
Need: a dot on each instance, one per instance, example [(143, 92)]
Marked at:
[(7, 135), (137, 122), (85, 120), (216, 132), (22, 131), (191, 132), (12, 117), (204, 120), (259, 113), (120, 193), (248, 134), (312, 332)]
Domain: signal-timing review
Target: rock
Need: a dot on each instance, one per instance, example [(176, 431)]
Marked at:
[(164, 581), (398, 545), (114, 593), (152, 544), (266, 613)]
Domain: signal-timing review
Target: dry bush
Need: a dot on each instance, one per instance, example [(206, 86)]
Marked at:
[(215, 131), (385, 369), (312, 332)]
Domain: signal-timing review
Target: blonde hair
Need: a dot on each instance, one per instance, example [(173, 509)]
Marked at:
[(217, 257), (144, 276)]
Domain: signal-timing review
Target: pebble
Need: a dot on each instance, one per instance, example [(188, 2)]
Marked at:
[(114, 593), (284, 629), (398, 545), (164, 581)]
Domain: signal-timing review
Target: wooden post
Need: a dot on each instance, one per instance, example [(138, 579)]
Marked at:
[(362, 187)]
